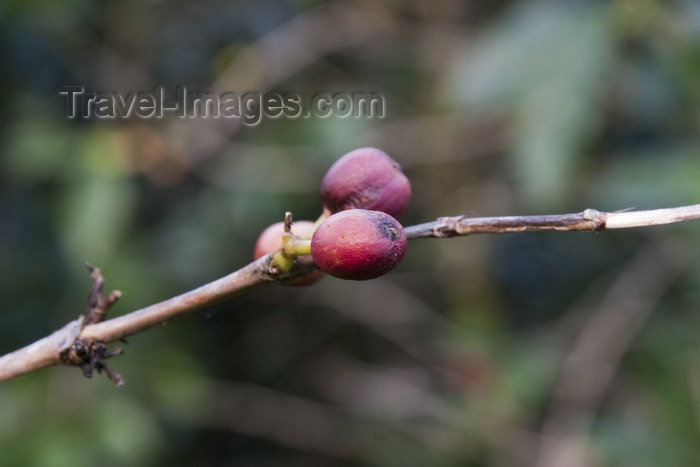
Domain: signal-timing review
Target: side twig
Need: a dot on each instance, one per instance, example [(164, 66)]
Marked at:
[(82, 342)]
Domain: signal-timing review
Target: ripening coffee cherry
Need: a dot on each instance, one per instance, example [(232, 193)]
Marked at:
[(358, 244), (366, 178), (270, 240)]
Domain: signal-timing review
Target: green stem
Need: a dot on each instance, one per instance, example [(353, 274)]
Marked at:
[(294, 246), (283, 261)]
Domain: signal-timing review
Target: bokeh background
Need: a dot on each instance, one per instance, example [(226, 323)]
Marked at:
[(532, 349)]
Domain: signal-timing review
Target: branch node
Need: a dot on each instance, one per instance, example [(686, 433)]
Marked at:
[(90, 356), (446, 226), (596, 217)]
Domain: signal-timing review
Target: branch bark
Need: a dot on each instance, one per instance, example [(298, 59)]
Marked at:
[(82, 342), (590, 220), (67, 345)]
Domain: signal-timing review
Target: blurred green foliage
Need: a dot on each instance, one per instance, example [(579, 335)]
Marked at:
[(457, 358)]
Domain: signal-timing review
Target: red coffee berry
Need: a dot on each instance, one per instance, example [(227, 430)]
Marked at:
[(366, 178), (358, 244), (270, 240)]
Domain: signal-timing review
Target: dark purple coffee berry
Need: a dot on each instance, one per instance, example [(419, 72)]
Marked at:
[(358, 244), (366, 178)]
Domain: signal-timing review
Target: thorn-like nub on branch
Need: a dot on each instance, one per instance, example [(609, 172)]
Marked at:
[(287, 222), (98, 304)]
